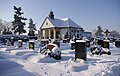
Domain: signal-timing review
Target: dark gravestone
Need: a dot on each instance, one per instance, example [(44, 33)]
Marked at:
[(31, 45), (105, 48), (80, 49), (12, 41), (65, 41), (100, 42), (117, 43), (106, 44), (72, 45), (87, 43), (44, 42), (19, 43)]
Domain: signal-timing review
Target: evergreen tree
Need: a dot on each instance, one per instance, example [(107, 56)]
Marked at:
[(99, 31), (32, 28), (18, 25), (114, 33), (6, 30)]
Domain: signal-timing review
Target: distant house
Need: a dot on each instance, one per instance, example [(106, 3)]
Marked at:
[(54, 28)]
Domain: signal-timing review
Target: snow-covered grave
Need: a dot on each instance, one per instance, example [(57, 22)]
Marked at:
[(16, 61)]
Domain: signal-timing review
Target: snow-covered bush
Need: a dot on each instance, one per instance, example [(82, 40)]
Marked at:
[(95, 49), (55, 53)]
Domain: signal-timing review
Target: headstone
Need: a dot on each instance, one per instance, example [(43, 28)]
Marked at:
[(117, 43), (12, 41), (99, 42), (87, 43), (72, 45), (44, 42), (65, 41), (19, 43), (31, 44), (105, 47), (80, 49), (106, 44)]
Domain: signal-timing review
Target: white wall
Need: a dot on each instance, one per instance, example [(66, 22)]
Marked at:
[(49, 24)]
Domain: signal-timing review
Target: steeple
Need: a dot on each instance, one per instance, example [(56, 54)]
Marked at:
[(51, 15)]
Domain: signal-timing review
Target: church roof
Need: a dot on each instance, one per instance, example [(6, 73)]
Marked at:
[(65, 22)]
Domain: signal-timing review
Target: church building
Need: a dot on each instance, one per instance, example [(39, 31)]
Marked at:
[(54, 28)]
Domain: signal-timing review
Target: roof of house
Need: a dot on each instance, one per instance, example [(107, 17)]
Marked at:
[(65, 22)]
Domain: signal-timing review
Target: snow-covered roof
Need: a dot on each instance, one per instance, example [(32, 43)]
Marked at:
[(65, 22)]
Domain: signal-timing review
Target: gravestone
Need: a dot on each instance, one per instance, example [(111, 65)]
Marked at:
[(12, 41), (105, 44), (87, 43), (72, 45), (31, 44), (19, 43), (80, 49), (100, 42), (65, 41), (105, 47), (44, 42), (117, 43)]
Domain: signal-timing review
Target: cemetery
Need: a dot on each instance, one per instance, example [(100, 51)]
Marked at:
[(70, 55), (61, 48)]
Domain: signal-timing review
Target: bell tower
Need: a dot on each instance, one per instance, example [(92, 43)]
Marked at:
[(51, 15)]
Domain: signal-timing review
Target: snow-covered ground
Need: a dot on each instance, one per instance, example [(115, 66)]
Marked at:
[(26, 62)]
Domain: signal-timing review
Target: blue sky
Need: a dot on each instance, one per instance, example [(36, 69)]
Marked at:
[(86, 13)]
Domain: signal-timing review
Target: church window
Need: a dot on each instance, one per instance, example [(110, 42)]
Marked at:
[(46, 23)]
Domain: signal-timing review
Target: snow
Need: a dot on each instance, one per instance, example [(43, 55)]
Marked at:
[(32, 41), (80, 41), (26, 62), (65, 22)]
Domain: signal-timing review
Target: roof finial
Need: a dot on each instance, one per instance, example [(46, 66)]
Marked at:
[(51, 15)]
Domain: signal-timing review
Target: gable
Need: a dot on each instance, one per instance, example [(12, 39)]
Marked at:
[(47, 24)]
